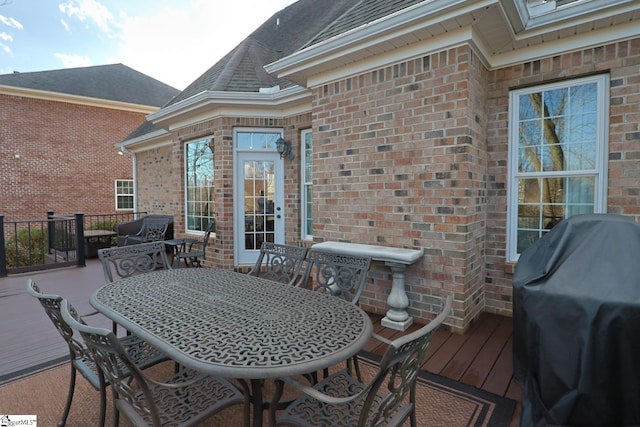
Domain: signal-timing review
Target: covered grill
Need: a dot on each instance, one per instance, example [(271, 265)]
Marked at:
[(576, 316)]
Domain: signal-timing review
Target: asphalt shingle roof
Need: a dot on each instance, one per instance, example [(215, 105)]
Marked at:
[(302, 24), (115, 82), (242, 69), (364, 12)]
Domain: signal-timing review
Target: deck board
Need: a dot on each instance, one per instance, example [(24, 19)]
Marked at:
[(481, 367)]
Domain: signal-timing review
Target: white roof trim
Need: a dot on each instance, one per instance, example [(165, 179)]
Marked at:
[(568, 44), (281, 99), (158, 137), (402, 22), (75, 99)]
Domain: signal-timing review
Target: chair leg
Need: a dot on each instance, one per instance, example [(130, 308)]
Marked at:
[(67, 406), (116, 412), (352, 364), (103, 403), (273, 406), (246, 391)]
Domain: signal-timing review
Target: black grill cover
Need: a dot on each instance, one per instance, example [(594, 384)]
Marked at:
[(576, 337)]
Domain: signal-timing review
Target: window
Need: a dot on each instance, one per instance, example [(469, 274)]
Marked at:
[(307, 180), (124, 194), (557, 156), (199, 185)]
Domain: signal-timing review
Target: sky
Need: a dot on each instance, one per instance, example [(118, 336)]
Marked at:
[(173, 41)]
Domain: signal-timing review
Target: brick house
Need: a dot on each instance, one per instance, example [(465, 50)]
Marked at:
[(464, 128), (58, 131)]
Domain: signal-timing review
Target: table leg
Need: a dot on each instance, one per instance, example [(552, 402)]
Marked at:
[(258, 403)]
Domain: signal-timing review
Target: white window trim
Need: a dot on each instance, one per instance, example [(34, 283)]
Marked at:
[(133, 198), (185, 185), (602, 149), (303, 185)]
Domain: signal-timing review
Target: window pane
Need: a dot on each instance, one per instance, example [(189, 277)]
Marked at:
[(199, 183), (124, 194), (257, 140), (307, 178), (558, 168)]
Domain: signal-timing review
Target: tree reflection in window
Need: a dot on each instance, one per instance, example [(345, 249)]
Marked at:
[(200, 185), (557, 148)]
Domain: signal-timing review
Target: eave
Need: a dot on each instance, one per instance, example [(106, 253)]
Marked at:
[(149, 141), (75, 99), (212, 104), (495, 28)]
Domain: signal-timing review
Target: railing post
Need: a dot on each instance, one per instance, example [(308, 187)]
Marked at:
[(51, 230), (3, 254), (80, 250)]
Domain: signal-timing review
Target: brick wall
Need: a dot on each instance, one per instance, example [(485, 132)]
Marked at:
[(60, 156), (622, 62), (400, 161), (415, 155)]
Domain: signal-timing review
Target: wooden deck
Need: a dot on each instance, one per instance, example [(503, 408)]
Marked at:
[(482, 357)]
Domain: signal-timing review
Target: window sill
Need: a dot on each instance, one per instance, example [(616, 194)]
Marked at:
[(510, 267)]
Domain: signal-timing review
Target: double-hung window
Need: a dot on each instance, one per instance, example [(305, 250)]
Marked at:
[(124, 194), (307, 181), (199, 184), (557, 156)]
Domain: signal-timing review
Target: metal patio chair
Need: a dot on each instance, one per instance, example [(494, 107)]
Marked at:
[(280, 263), (193, 256), (184, 399), (338, 274), (81, 360), (152, 230), (126, 261), (341, 400)]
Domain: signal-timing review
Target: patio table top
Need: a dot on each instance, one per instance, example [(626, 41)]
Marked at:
[(235, 325)]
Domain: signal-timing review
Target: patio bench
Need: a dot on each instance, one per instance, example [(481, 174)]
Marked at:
[(397, 259)]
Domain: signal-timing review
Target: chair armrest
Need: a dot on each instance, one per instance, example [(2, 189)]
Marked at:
[(381, 339), (316, 394)]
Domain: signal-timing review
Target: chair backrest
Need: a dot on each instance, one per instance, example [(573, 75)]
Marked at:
[(339, 274), (280, 263), (118, 369), (154, 230), (129, 260), (51, 304), (399, 369), (207, 234)]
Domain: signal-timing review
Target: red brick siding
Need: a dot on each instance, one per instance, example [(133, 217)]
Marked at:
[(622, 62), (67, 160), (400, 160)]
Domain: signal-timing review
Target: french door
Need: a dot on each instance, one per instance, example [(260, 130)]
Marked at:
[(259, 203)]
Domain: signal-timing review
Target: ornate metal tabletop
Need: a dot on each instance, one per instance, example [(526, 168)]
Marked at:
[(235, 325)]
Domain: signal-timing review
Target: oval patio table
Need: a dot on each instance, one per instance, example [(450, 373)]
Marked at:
[(233, 325)]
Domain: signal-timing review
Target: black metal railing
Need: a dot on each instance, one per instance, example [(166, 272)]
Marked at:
[(55, 242)]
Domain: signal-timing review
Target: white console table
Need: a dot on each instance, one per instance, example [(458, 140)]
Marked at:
[(397, 259)]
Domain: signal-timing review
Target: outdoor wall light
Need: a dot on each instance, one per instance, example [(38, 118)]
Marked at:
[(284, 148)]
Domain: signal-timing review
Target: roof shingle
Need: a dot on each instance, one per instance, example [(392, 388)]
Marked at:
[(114, 82)]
